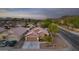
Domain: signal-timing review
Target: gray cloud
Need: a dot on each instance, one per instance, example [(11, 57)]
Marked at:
[(38, 12)]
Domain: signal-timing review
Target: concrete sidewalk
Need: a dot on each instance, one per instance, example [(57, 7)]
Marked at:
[(73, 32), (70, 47)]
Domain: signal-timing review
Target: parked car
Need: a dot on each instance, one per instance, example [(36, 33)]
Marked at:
[(4, 43), (11, 43)]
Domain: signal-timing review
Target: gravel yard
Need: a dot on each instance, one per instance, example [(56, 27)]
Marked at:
[(57, 44)]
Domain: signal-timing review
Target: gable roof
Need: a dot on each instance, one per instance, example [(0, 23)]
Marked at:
[(36, 31)]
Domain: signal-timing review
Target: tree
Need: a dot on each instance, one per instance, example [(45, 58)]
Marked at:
[(53, 28), (71, 21), (45, 23), (76, 23), (26, 23)]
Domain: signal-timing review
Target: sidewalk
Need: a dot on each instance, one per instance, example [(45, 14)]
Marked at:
[(70, 47), (73, 32)]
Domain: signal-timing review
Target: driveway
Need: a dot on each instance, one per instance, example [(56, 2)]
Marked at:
[(31, 45)]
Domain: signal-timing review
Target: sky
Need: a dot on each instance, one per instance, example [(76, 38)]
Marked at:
[(38, 13)]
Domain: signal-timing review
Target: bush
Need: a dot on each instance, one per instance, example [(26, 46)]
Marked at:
[(46, 38)]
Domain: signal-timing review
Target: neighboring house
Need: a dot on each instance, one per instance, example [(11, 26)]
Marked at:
[(2, 33), (19, 30), (2, 29), (17, 33), (13, 34), (35, 33), (30, 26), (10, 35), (20, 25), (3, 36)]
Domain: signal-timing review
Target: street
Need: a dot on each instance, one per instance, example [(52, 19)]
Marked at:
[(71, 38)]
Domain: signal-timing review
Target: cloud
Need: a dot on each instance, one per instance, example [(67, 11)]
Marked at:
[(37, 12)]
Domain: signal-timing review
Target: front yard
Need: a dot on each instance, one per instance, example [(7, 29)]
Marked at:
[(58, 43)]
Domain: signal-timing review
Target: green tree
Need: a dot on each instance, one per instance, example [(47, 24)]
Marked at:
[(53, 28), (76, 23), (45, 23), (72, 21)]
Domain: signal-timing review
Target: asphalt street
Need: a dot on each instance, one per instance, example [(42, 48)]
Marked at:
[(71, 38)]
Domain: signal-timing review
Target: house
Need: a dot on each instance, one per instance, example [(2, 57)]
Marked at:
[(2, 29), (16, 33), (3, 36), (35, 33), (32, 38), (13, 33), (30, 26), (9, 35), (12, 36)]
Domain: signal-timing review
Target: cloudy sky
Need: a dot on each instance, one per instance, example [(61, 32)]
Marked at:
[(37, 12)]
